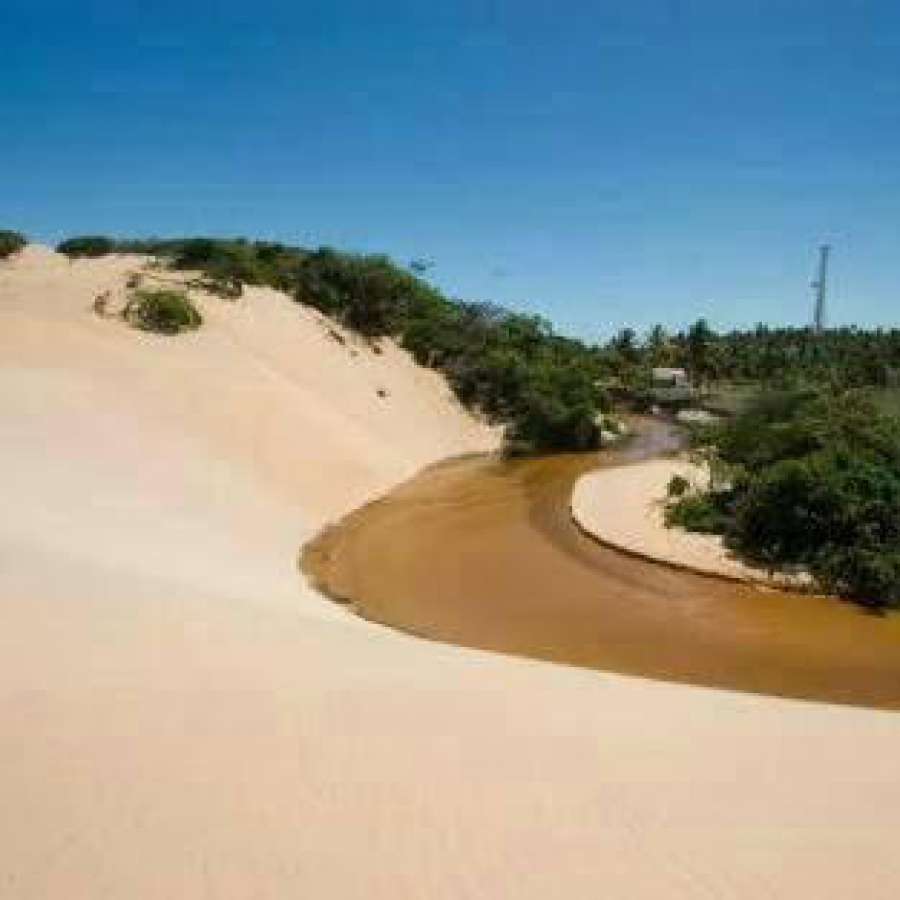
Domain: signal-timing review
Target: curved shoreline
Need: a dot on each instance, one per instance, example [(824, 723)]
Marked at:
[(486, 554), (638, 528)]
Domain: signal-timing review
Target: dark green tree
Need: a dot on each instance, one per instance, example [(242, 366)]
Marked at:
[(11, 242)]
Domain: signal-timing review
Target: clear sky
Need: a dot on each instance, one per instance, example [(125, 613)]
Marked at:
[(601, 163)]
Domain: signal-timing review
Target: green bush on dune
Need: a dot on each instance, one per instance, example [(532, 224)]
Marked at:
[(163, 312), (11, 242), (701, 512), (87, 246)]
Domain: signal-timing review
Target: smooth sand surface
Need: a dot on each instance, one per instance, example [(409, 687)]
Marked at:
[(625, 508), (181, 717)]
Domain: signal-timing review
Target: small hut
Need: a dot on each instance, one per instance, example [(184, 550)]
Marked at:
[(670, 385)]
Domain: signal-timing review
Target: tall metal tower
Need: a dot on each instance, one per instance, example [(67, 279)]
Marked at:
[(819, 286)]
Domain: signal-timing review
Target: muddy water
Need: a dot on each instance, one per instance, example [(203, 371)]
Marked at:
[(483, 553)]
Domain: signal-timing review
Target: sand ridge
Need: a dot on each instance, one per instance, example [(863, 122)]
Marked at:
[(182, 717)]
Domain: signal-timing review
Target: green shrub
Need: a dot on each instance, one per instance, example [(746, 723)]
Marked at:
[(869, 576), (698, 512), (678, 486), (86, 245), (11, 242), (369, 293), (835, 512), (556, 410), (226, 288), (163, 311)]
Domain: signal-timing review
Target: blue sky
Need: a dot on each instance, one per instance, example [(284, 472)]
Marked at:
[(602, 163)]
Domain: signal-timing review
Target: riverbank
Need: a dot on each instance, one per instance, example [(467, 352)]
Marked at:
[(483, 552), (181, 716), (624, 508)]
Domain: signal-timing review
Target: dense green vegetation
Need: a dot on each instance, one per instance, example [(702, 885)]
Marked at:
[(840, 358), (510, 367), (162, 311), (808, 478), (11, 242), (888, 401), (730, 369), (87, 245)]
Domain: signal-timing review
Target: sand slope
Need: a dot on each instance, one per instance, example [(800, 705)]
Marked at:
[(182, 718)]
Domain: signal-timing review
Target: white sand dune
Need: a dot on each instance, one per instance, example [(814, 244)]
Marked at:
[(183, 718)]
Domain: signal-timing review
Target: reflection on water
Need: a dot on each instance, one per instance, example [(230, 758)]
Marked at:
[(483, 552)]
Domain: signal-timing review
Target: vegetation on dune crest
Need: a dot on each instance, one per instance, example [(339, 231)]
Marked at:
[(808, 478), (162, 311), (375, 296), (11, 242), (91, 246), (510, 367)]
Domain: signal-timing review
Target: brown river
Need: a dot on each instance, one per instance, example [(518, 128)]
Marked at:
[(482, 552)]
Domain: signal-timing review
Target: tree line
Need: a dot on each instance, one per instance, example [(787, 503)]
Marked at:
[(769, 357), (11, 242)]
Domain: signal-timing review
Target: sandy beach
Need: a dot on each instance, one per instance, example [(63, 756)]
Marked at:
[(183, 717), (625, 508)]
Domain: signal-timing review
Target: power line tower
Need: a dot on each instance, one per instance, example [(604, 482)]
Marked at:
[(819, 286)]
